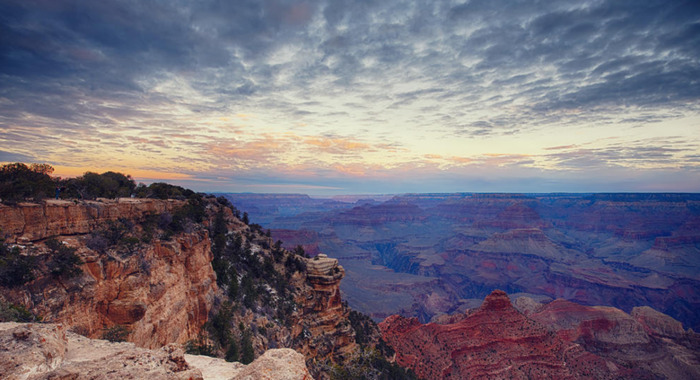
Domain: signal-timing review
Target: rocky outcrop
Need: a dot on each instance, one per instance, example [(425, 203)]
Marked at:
[(38, 351), (653, 343), (49, 351), (659, 323), (161, 292), (495, 341), (274, 364), (324, 331), (27, 222)]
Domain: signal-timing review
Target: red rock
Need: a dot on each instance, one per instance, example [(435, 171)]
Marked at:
[(495, 341)]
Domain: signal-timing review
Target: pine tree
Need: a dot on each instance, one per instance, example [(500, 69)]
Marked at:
[(247, 352)]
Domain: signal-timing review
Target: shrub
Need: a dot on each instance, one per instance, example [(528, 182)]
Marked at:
[(199, 346), (131, 244), (97, 242), (116, 333), (15, 269), (247, 351), (233, 352), (16, 313), (162, 190), (106, 185), (220, 325), (63, 261)]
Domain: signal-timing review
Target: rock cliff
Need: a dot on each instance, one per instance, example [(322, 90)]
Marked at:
[(29, 222), (653, 343), (161, 292), (156, 283), (324, 331)]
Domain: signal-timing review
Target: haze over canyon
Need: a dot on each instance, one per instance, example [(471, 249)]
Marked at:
[(428, 254)]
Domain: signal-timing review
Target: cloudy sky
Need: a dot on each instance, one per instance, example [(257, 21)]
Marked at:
[(329, 97)]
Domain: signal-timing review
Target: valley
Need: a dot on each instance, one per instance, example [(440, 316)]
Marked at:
[(425, 255)]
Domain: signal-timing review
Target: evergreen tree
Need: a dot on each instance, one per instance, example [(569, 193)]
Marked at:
[(247, 352), (233, 352)]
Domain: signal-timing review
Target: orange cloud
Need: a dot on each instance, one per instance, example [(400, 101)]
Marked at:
[(336, 146), (560, 147), (255, 150), (461, 160)]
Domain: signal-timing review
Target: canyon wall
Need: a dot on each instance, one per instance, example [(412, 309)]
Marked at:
[(451, 250), (29, 222), (160, 291)]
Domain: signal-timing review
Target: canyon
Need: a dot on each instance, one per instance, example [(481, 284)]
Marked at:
[(426, 255), (582, 300)]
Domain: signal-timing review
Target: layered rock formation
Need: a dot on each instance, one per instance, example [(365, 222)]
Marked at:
[(28, 222), (494, 341), (651, 342), (324, 331), (49, 351), (161, 294)]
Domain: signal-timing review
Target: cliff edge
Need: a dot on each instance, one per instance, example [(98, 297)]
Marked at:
[(50, 351)]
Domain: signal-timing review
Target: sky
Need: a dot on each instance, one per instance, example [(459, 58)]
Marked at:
[(357, 97)]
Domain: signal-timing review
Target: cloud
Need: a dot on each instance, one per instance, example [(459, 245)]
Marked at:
[(15, 157), (358, 82)]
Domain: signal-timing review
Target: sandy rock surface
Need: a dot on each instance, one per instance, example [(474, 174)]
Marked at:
[(48, 351)]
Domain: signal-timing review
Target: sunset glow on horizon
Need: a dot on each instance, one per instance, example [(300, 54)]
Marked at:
[(336, 97)]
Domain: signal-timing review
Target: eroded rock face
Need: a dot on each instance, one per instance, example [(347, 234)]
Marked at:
[(653, 343), (495, 341), (27, 222), (658, 323), (161, 292), (49, 351), (324, 330)]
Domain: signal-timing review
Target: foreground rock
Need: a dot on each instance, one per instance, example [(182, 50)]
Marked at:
[(49, 351)]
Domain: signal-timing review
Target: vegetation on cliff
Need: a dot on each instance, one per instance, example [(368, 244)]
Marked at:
[(15, 269), (19, 182)]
